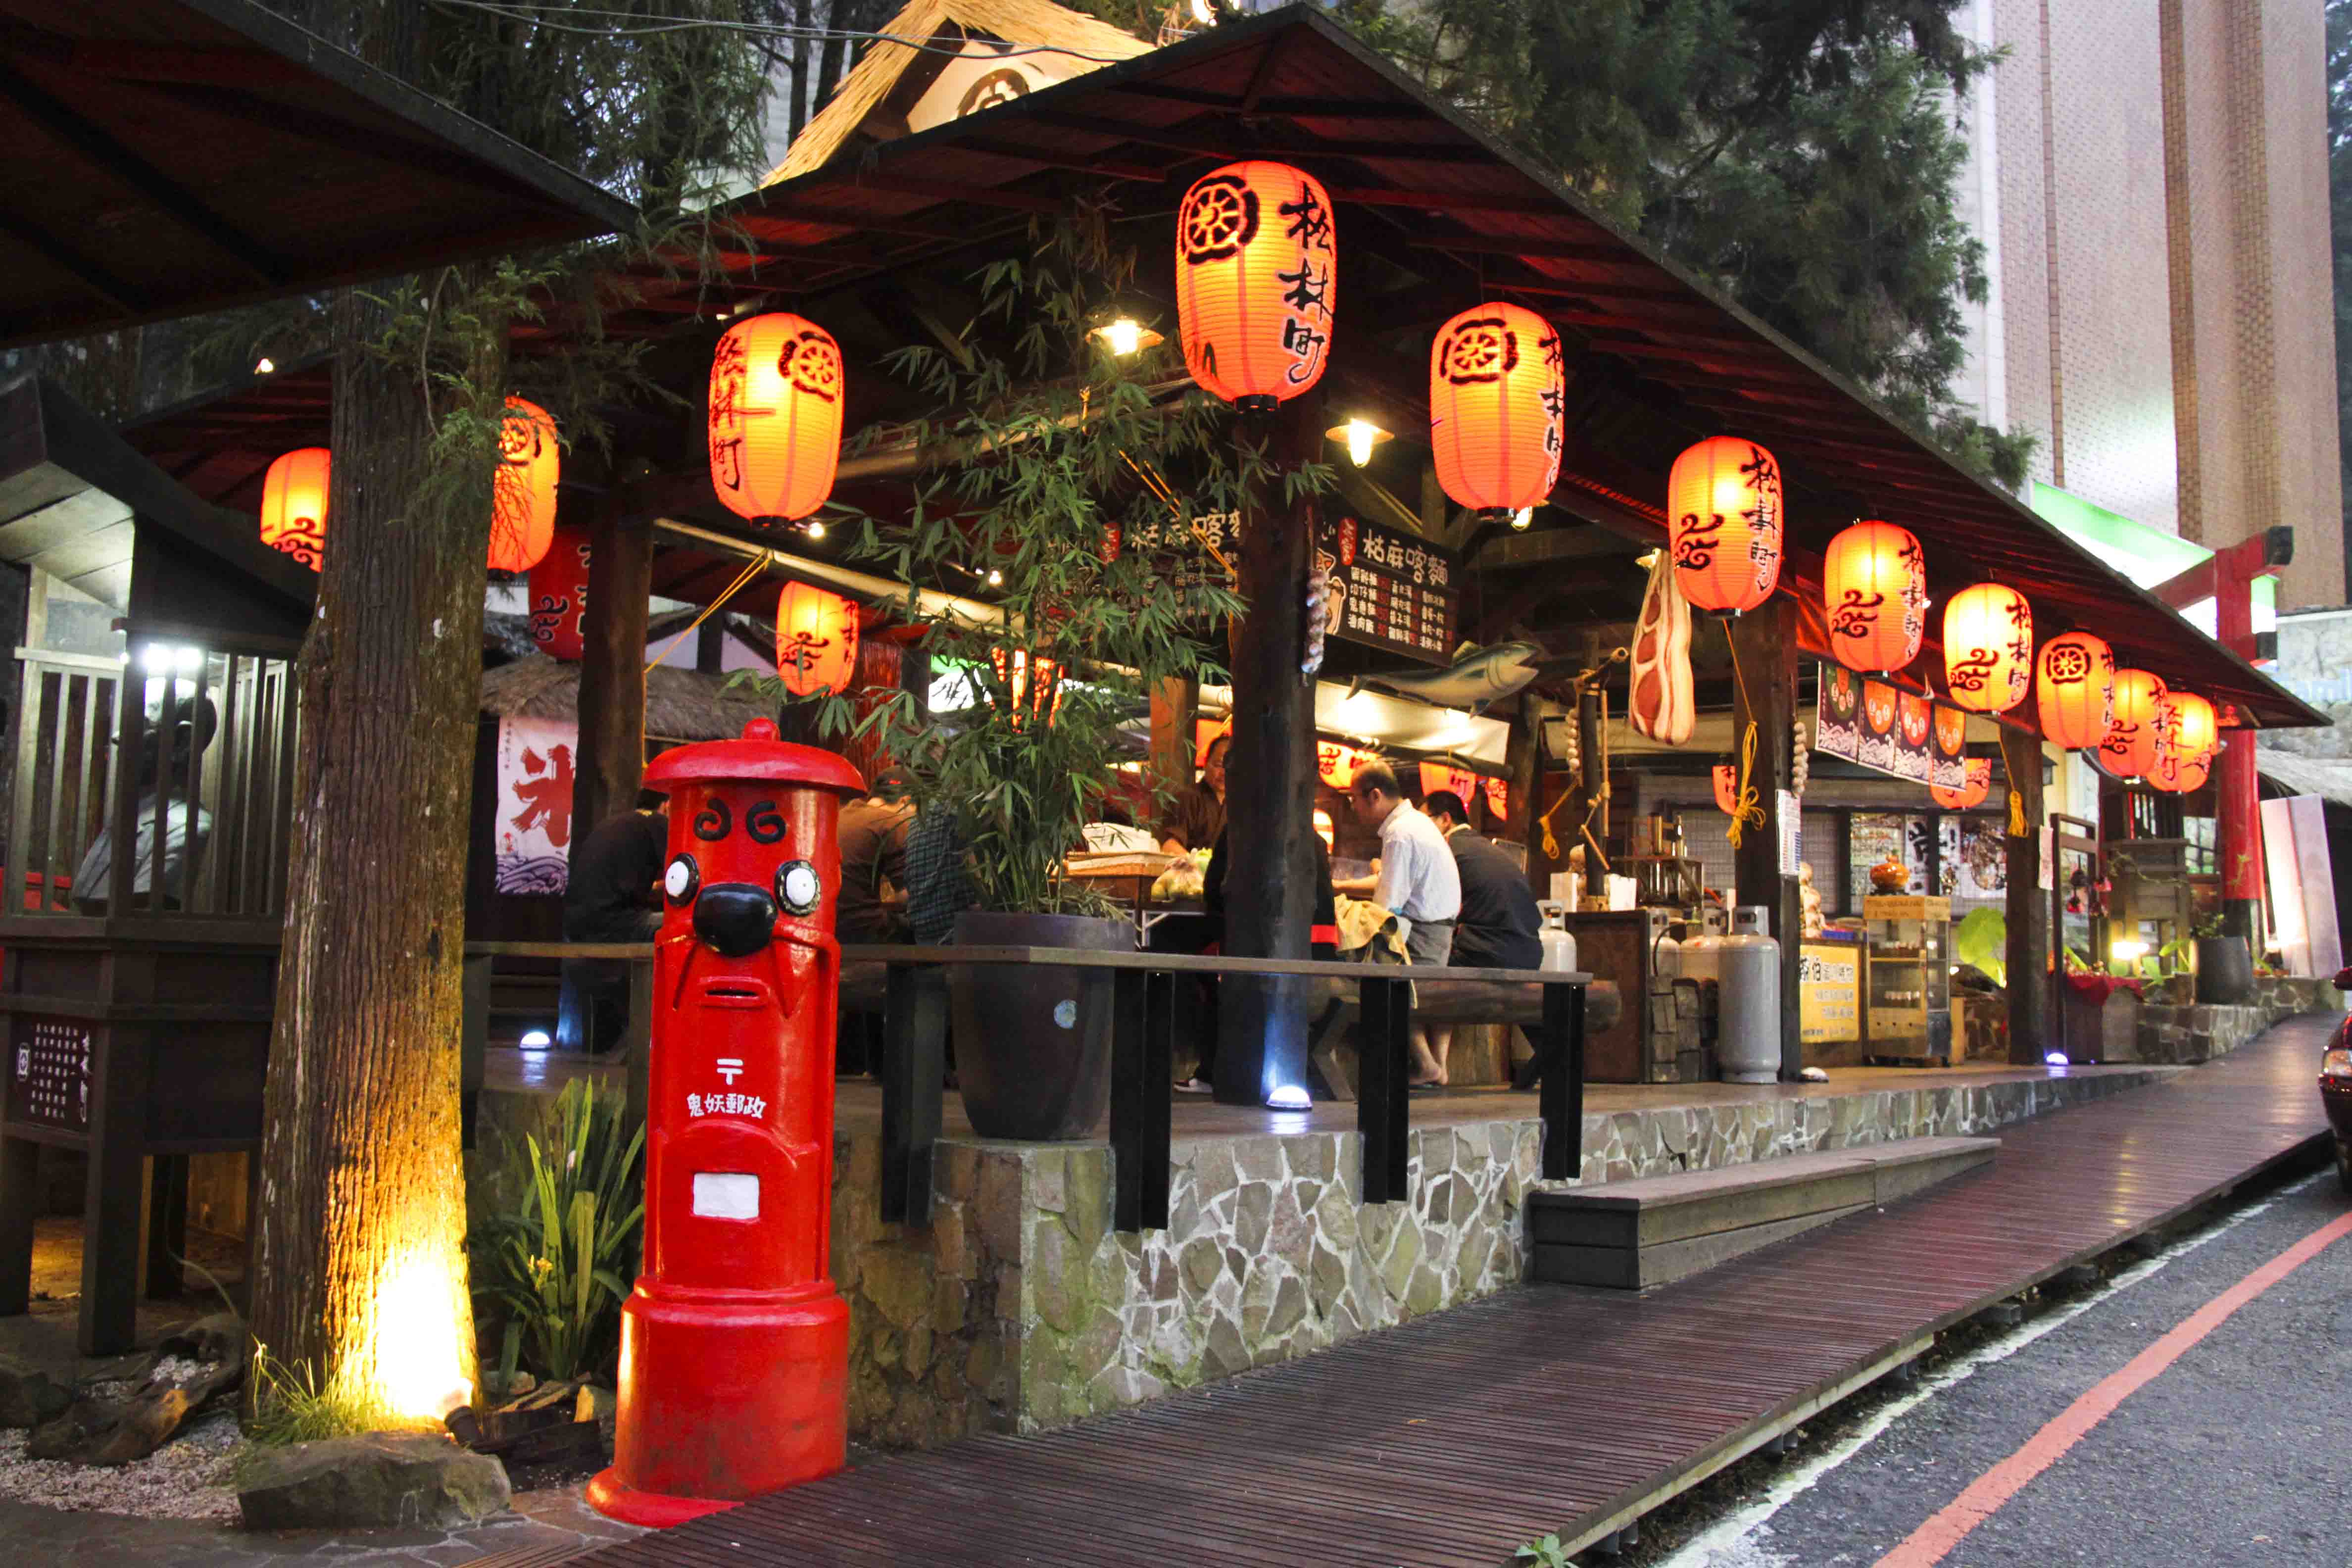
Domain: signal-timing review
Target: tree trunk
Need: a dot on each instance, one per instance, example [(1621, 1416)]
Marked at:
[(610, 763), (359, 1269)]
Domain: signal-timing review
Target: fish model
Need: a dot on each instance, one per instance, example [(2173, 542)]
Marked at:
[(1476, 677)]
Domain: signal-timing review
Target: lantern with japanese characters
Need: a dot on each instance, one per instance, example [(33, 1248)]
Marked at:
[(2075, 690), (1498, 393), (1874, 593), (1979, 785), (2136, 737), (1257, 279), (559, 595), (776, 390), (734, 1344), (294, 505), (1335, 764), (1724, 524), (2197, 728), (1461, 782), (1726, 787), (1498, 799), (816, 639), (522, 490), (1989, 648)]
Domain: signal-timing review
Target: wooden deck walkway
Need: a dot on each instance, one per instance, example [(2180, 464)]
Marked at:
[(1550, 1408)]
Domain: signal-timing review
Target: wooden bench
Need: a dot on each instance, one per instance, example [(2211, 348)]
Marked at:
[(1445, 1002)]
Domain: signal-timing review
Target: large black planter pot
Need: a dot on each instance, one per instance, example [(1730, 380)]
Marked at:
[(1032, 1042), (2225, 971)]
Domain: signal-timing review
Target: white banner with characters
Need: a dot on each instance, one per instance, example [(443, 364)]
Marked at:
[(532, 835)]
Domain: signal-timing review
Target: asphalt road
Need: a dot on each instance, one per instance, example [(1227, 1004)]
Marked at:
[(2239, 1452)]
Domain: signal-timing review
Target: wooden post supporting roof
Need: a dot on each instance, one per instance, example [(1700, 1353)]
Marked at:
[(1270, 783), (611, 761), (2028, 958), (1764, 649)]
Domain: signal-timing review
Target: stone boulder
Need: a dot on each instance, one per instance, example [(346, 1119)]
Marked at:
[(378, 1480), (28, 1395), (187, 1369)]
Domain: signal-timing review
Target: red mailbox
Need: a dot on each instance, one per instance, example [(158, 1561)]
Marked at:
[(734, 1345)]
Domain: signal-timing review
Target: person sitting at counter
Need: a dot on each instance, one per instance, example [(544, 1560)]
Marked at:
[(872, 834), (1417, 880), (1498, 924), (1198, 815)]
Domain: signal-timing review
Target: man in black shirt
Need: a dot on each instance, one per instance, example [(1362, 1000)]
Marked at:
[(1497, 926), (614, 894)]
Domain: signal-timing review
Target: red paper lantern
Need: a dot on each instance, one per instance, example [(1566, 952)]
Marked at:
[(1257, 279), (1498, 799), (1030, 688), (1497, 392), (1726, 787), (522, 493), (294, 505), (2194, 772), (1989, 648), (1723, 524), (1979, 785), (559, 595), (2136, 738), (2197, 728), (2075, 690), (1462, 782), (1335, 764), (776, 390), (1874, 592), (816, 639)]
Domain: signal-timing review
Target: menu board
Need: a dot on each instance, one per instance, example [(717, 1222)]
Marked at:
[(1828, 991), (1896, 733), (48, 1072), (1389, 590)]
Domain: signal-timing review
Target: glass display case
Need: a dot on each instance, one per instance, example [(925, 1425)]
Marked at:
[(1909, 942)]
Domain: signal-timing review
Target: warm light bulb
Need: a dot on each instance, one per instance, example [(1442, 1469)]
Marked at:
[(1360, 435), (1204, 11), (1124, 336), (263, 367), (1521, 517), (815, 530), (996, 578)]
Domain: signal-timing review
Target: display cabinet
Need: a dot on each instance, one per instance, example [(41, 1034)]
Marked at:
[(1909, 945)]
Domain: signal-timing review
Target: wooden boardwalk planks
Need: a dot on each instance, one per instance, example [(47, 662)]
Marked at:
[(1577, 1408)]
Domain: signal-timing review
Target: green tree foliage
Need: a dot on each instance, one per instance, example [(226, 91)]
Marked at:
[(1802, 154), (2339, 201)]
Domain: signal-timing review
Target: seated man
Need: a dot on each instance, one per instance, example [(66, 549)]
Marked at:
[(1497, 926), (873, 837), (615, 893), (186, 732)]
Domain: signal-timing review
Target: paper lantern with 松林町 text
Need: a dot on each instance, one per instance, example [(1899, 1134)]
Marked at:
[(1257, 281), (816, 639), (559, 595), (1989, 648), (1874, 593), (2197, 728), (522, 491), (294, 505), (776, 391), (2075, 690), (1724, 524), (1497, 392), (2135, 741)]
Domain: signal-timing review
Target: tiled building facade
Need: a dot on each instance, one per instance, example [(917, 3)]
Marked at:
[(2150, 178)]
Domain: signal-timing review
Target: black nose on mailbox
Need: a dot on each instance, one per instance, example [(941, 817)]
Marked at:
[(734, 917)]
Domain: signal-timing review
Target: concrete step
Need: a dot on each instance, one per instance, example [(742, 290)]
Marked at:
[(1633, 1234)]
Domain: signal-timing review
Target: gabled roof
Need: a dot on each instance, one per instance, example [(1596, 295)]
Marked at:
[(170, 156), (1035, 24)]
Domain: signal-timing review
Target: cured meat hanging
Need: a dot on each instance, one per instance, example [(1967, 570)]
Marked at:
[(1661, 704)]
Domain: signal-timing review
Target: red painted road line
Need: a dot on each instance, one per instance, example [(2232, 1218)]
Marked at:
[(1933, 1540)]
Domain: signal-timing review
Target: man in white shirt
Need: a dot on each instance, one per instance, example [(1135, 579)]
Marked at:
[(1418, 880)]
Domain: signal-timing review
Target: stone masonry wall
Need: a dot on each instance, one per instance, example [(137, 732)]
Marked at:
[(2187, 1035)]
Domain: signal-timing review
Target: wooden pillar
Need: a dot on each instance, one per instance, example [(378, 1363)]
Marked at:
[(611, 761), (710, 644), (1174, 704), (2028, 958), (1764, 648), (1270, 780)]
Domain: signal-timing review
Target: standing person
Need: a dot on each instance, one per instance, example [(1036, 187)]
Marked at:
[(873, 834), (1417, 880), (1498, 924), (1199, 814)]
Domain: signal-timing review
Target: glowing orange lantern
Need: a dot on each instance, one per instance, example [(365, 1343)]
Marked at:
[(522, 493), (1723, 524), (816, 639), (1498, 799), (1726, 787), (294, 505), (1498, 393), (776, 389), (2197, 729), (1874, 592), (2194, 772), (1989, 648), (559, 595), (1032, 687), (2075, 690), (2135, 740), (1335, 764), (1979, 785), (1257, 279), (1462, 782)]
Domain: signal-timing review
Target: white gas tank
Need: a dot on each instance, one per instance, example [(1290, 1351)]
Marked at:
[(1559, 942), (1702, 954), (1747, 1011)]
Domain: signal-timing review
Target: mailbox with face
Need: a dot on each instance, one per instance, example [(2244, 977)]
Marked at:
[(734, 1345)]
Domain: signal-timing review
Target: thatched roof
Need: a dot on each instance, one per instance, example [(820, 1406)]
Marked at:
[(680, 704), (2329, 778), (1036, 23)]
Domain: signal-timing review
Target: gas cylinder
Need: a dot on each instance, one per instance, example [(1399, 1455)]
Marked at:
[(1747, 980), (1559, 945)]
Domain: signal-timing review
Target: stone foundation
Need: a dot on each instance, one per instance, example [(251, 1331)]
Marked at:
[(2187, 1035)]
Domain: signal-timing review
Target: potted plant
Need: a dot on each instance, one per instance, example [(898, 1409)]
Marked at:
[(2225, 966), (1074, 509)]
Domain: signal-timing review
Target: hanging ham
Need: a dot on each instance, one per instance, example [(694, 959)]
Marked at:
[(1661, 707)]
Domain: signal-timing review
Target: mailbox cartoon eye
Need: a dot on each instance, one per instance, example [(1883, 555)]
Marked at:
[(683, 877), (797, 886)]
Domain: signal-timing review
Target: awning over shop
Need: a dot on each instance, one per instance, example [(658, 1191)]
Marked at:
[(172, 156)]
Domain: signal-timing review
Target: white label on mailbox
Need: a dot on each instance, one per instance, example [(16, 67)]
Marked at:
[(726, 1195)]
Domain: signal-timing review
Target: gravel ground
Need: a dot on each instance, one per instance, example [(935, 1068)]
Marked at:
[(188, 1478)]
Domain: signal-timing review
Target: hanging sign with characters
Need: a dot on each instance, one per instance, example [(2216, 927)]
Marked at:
[(532, 836), (1894, 733), (1389, 590)]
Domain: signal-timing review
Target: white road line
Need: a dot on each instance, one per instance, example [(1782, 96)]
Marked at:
[(1726, 1545)]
